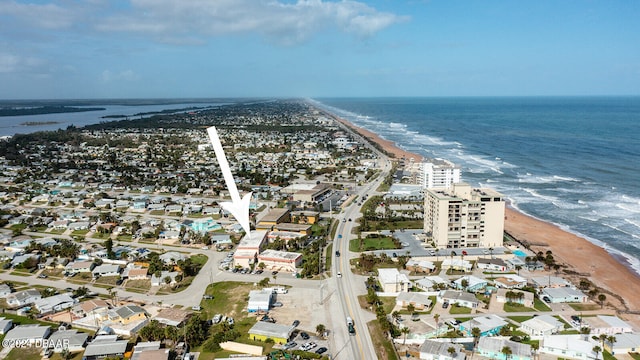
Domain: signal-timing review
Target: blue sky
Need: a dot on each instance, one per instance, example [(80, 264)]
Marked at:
[(317, 48)]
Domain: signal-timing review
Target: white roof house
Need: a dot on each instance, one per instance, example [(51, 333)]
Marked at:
[(456, 264), (27, 333), (171, 257), (436, 350), (605, 324), (549, 281), (564, 295), (488, 325), (430, 282), (54, 303), (107, 270), (474, 283), (22, 298), (491, 347), (259, 300), (625, 343), (71, 340), (393, 281), (419, 300), (462, 298), (568, 346), (5, 325), (541, 325), (105, 345)]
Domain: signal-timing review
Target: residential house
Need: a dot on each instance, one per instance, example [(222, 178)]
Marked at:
[(172, 257), (430, 283), (127, 314), (135, 273), (457, 264), (510, 281), (161, 280), (523, 298), (27, 334), (54, 303), (23, 298), (492, 265), (625, 343), (90, 307), (71, 340), (564, 295), (542, 325), (419, 300), (473, 283), (22, 260), (489, 325), (104, 346), (5, 325), (4, 290), (461, 298), (79, 266), (568, 346), (437, 350), (149, 351), (106, 270), (491, 347), (420, 266), (606, 324), (549, 282), (392, 281)]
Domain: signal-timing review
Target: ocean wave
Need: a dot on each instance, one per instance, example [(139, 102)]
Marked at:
[(540, 179)]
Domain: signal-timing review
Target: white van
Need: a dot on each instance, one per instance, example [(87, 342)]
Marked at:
[(280, 290)]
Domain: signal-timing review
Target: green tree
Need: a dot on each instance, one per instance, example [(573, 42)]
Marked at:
[(507, 352), (597, 349), (451, 350), (601, 299), (320, 329), (405, 330)]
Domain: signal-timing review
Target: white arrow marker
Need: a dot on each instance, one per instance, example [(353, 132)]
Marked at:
[(239, 208)]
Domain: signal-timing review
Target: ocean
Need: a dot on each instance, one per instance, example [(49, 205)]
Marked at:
[(571, 161)]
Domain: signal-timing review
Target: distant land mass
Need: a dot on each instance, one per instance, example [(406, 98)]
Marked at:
[(41, 110), (36, 123)]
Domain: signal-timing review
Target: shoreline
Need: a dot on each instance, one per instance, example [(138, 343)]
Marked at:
[(611, 272)]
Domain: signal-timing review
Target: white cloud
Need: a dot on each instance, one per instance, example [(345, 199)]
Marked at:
[(126, 75), (47, 16), (12, 63), (287, 23)]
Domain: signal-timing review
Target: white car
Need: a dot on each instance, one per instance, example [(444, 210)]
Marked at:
[(339, 274)]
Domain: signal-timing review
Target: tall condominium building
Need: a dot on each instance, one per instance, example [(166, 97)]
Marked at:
[(439, 174), (462, 217)]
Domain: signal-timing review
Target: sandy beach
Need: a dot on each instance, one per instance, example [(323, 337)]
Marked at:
[(580, 256)]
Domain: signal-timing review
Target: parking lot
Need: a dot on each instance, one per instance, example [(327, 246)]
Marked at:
[(302, 304)]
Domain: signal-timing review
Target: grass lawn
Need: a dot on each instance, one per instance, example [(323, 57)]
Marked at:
[(25, 354), (139, 286), (57, 231), (21, 272), (328, 257), (520, 318), (455, 310), (515, 308), (384, 348), (126, 238), (540, 305), (607, 356), (55, 273), (107, 280), (388, 303), (636, 356), (228, 298), (80, 232)]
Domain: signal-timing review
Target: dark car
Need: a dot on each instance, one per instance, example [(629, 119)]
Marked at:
[(338, 253), (445, 304), (296, 323), (290, 345), (304, 336), (119, 282), (259, 272), (275, 272), (321, 350)]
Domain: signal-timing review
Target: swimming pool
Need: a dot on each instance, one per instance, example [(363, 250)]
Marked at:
[(519, 253)]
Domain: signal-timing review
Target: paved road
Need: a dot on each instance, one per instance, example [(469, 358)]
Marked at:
[(349, 286)]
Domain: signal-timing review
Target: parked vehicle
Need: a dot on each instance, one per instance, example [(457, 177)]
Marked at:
[(290, 345), (304, 335), (321, 350), (295, 323)]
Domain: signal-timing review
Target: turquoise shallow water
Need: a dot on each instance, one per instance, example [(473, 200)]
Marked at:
[(572, 161)]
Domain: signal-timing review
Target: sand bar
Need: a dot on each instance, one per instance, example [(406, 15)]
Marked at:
[(578, 254)]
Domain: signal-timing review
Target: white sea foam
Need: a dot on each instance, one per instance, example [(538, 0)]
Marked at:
[(538, 179)]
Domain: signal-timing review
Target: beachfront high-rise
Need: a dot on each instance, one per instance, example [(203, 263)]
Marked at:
[(439, 174), (462, 217)]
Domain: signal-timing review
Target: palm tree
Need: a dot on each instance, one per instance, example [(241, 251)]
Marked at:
[(452, 351), (411, 308), (585, 331), (518, 268), (611, 340), (405, 330), (320, 329), (535, 346), (507, 352), (395, 315), (597, 349)]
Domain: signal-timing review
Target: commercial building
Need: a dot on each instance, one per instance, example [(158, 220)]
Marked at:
[(280, 260), (462, 217), (262, 331)]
